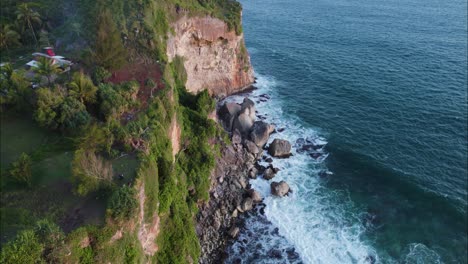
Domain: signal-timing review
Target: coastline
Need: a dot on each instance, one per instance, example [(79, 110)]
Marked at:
[(232, 197)]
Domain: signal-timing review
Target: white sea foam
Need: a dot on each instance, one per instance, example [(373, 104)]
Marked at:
[(315, 220), (420, 254)]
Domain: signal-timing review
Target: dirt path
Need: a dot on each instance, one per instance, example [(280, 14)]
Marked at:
[(147, 233)]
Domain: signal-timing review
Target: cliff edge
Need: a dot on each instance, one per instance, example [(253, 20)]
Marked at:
[(215, 58)]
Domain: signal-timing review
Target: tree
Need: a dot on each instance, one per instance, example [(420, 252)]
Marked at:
[(8, 37), (109, 51), (26, 248), (48, 106), (27, 16), (55, 110), (82, 87), (44, 38), (73, 114), (14, 87), (90, 172), (113, 104), (21, 170), (46, 68)]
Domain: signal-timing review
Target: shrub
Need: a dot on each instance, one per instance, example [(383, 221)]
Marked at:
[(73, 114), (90, 172), (100, 75), (123, 203), (113, 104), (25, 248), (21, 170), (48, 104), (14, 87), (52, 236), (55, 110)]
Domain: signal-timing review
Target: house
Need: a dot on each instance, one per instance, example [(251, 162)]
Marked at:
[(49, 53)]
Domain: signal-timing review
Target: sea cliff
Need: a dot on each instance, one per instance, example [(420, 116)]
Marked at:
[(215, 57)]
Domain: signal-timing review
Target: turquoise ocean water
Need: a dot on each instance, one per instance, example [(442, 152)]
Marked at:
[(384, 82)]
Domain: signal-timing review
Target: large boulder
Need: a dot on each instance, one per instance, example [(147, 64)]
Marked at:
[(236, 137), (243, 122), (251, 147), (245, 118), (279, 188), (280, 148), (261, 133), (227, 113), (248, 106)]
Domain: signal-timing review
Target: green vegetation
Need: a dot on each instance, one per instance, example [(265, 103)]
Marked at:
[(98, 145), (20, 172), (14, 88), (26, 248), (123, 203), (90, 172), (108, 49), (83, 88)]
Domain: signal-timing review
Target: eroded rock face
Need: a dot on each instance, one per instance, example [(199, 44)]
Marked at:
[(215, 58)]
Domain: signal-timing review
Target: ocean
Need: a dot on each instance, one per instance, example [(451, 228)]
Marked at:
[(384, 84)]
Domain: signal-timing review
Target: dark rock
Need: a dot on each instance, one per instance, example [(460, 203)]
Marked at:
[(281, 129), (280, 148), (316, 155), (269, 160), (227, 113), (269, 173), (292, 254), (279, 188), (275, 253), (253, 173), (370, 259)]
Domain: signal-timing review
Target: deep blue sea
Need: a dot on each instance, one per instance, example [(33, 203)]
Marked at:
[(384, 83)]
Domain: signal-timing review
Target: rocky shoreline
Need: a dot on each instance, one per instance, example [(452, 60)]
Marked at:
[(231, 194)]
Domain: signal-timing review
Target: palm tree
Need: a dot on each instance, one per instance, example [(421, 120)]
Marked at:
[(28, 16), (8, 37), (47, 68), (82, 87)]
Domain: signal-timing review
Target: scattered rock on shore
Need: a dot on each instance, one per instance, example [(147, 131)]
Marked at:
[(251, 147), (269, 173), (247, 204), (280, 148), (279, 188), (256, 197), (234, 231)]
